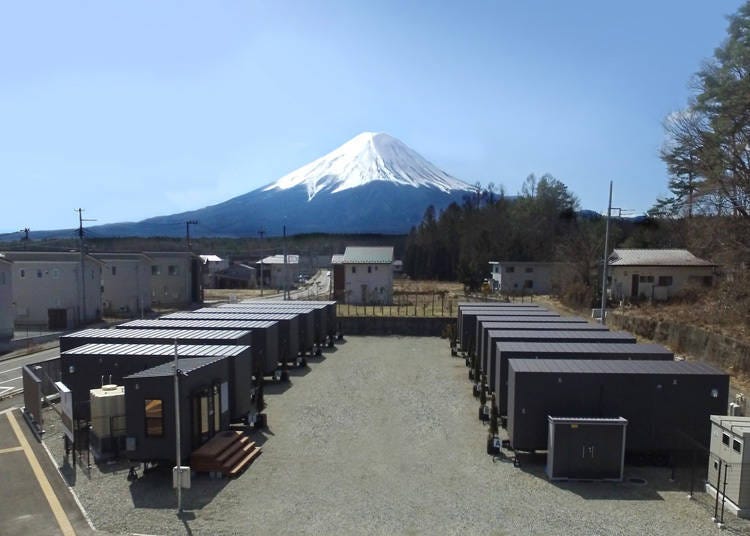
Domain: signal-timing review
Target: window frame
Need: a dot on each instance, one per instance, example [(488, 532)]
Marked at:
[(147, 420)]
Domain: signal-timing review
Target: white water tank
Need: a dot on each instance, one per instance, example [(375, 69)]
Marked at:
[(108, 410)]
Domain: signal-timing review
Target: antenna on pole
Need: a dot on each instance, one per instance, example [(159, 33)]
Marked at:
[(81, 236), (25, 238)]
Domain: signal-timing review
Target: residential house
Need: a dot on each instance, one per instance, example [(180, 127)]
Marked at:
[(237, 275), (212, 264), (517, 277), (126, 283), (368, 275), (175, 278), (656, 273), (48, 289), (277, 273), (6, 299)]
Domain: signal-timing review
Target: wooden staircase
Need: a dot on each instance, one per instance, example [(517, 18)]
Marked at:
[(228, 453)]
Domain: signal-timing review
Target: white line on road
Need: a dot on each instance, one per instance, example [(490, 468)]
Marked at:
[(12, 379)]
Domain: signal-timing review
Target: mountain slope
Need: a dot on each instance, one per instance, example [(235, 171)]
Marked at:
[(371, 184)]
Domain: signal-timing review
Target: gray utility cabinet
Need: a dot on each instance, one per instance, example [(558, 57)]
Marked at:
[(471, 306), (483, 323), (498, 339), (469, 324), (667, 403), (150, 408), (305, 319), (289, 330), (505, 351), (92, 365), (264, 335), (586, 448)]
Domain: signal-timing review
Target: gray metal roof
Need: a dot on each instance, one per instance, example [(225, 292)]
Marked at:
[(316, 302), (279, 259), (46, 256), (529, 324), (231, 316), (490, 305), (606, 366), (223, 334), (587, 420), (559, 334), (655, 257), (198, 324), (186, 366), (259, 308), (104, 256), (368, 255), (187, 350), (507, 312), (582, 348), (338, 258), (239, 307)]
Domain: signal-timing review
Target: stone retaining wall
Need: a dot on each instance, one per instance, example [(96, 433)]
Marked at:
[(725, 352), (389, 325)]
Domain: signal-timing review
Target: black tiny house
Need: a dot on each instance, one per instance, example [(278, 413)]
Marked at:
[(305, 319), (585, 448), (321, 313), (153, 336), (665, 402), (492, 306), (469, 322), (264, 335), (92, 365), (150, 407), (506, 351), (494, 337), (289, 329), (566, 323)]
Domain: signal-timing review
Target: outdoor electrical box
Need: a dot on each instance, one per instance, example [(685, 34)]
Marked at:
[(181, 476), (586, 448)]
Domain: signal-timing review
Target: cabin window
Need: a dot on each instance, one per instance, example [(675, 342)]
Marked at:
[(737, 446), (155, 270), (369, 269), (510, 269), (354, 269), (114, 270), (39, 274), (725, 438), (154, 410), (529, 269), (646, 279), (665, 280), (22, 273), (172, 269), (529, 283)]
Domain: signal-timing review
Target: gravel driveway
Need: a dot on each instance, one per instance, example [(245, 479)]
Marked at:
[(381, 437)]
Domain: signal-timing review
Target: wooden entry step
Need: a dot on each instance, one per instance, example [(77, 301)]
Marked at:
[(228, 453)]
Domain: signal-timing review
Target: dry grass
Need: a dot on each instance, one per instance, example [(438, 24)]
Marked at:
[(223, 294)]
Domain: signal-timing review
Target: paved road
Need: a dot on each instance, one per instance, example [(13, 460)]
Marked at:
[(317, 288), (10, 369), (34, 499)]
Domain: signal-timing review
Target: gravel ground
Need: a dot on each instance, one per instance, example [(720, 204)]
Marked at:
[(381, 437)]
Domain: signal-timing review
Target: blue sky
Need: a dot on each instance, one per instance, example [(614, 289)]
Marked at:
[(138, 109)]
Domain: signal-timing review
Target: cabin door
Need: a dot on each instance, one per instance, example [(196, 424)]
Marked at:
[(206, 413), (634, 286)]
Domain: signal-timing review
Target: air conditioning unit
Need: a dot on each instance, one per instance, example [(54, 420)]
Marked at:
[(735, 410)]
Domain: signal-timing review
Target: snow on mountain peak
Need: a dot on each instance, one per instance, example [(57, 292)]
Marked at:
[(368, 157)]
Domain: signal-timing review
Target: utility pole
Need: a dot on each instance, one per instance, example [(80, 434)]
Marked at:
[(25, 238), (178, 454), (187, 232), (261, 232), (81, 219), (286, 273), (606, 259)]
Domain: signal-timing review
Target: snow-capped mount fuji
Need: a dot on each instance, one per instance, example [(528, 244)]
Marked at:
[(366, 158), (371, 184)]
